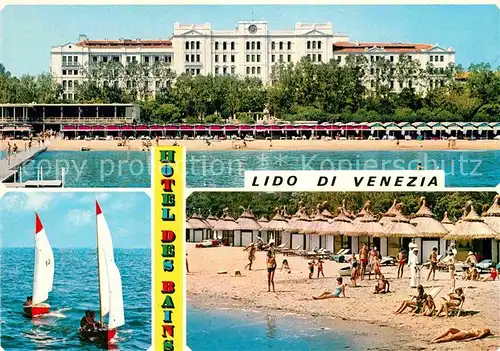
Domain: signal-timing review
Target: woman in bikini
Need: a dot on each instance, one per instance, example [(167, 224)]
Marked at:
[(401, 262), (339, 289), (413, 305), (454, 334), (251, 257), (354, 272), (320, 268), (271, 267), (456, 299), (376, 267), (493, 275)]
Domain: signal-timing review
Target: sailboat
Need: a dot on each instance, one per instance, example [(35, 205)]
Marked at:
[(43, 276), (110, 286)]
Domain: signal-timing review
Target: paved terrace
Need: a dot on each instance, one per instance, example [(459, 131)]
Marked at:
[(9, 168)]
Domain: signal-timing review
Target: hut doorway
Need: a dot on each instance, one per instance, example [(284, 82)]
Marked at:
[(198, 235), (188, 235), (228, 237), (427, 245), (342, 242), (246, 237), (298, 239), (393, 246), (482, 248), (405, 242)]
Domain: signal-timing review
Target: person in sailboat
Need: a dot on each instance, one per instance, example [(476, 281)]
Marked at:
[(88, 322), (29, 301)]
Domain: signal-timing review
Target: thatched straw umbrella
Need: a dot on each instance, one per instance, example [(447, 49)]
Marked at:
[(278, 222), (471, 227), (301, 223), (297, 214), (285, 213), (211, 220), (492, 216), (196, 222), (447, 223), (226, 225), (342, 224), (247, 220), (263, 221), (400, 226), (197, 228), (364, 211), (325, 211), (426, 224), (319, 224), (390, 214)]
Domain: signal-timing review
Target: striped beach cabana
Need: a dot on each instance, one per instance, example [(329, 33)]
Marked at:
[(318, 231), (368, 228), (277, 227), (296, 229), (263, 221), (343, 230), (492, 218), (197, 229), (227, 229), (248, 228)]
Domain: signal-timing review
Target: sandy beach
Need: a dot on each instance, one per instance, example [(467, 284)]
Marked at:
[(360, 308), (334, 145)]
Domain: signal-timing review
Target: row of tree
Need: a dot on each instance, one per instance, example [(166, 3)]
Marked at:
[(359, 91), (264, 204)]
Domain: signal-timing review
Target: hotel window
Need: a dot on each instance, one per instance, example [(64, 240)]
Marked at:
[(248, 58), (70, 72), (248, 45), (187, 46), (272, 58), (441, 58), (372, 59), (232, 45), (197, 45), (258, 70), (258, 58), (70, 96), (128, 59), (436, 58), (168, 58), (64, 84), (319, 57), (76, 84), (289, 58), (192, 45), (198, 71), (314, 44), (146, 59), (281, 58), (224, 46), (319, 45), (432, 58), (64, 59), (114, 59), (232, 58), (224, 58), (378, 58), (75, 59), (70, 59), (134, 59), (441, 83), (192, 57), (281, 45), (253, 70), (391, 58), (198, 58), (233, 69), (216, 45), (253, 45), (289, 45), (339, 59), (187, 70), (372, 71), (187, 58), (64, 72), (314, 56), (75, 72), (248, 70), (216, 58), (308, 44), (258, 45), (94, 59), (253, 58), (216, 70), (224, 70), (70, 84), (104, 59), (309, 56), (273, 46), (64, 96)]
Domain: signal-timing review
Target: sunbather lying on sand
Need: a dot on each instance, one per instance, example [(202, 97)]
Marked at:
[(453, 334), (339, 289)]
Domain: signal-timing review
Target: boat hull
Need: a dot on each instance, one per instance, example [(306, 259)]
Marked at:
[(38, 310), (103, 337)]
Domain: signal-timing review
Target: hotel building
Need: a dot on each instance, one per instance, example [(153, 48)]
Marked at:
[(250, 49)]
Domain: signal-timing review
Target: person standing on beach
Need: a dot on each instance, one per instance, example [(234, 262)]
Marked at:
[(363, 260), (251, 257), (433, 260), (373, 257), (401, 262), (450, 261), (320, 267), (311, 268), (414, 268), (271, 268)]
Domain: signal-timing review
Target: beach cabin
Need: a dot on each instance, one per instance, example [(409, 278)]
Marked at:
[(227, 230), (431, 232), (276, 228), (423, 130), (197, 229), (344, 233), (492, 218), (368, 228), (296, 228), (318, 231), (263, 221), (249, 228)]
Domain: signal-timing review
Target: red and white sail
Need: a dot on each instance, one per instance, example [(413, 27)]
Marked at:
[(110, 283), (44, 264)]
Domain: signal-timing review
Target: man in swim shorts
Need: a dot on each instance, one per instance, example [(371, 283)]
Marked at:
[(363, 260)]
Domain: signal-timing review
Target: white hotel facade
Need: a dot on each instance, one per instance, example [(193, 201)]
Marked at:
[(251, 49)]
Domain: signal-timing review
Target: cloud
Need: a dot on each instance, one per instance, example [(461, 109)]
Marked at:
[(79, 218), (20, 202)]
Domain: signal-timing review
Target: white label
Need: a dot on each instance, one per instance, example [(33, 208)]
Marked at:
[(369, 180)]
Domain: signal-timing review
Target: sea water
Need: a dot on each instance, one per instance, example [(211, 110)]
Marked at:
[(225, 169), (75, 290)]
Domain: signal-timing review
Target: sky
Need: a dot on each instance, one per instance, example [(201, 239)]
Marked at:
[(69, 218), (28, 32)]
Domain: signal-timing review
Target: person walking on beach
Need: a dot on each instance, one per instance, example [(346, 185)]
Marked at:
[(311, 268), (320, 267), (433, 260), (363, 260), (414, 268), (271, 268), (251, 257), (401, 262)]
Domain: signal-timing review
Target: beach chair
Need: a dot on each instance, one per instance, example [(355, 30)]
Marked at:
[(281, 247), (288, 252), (460, 307)]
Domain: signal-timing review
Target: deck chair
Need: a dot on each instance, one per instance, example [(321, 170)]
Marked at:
[(280, 248), (459, 308), (287, 252), (341, 252)]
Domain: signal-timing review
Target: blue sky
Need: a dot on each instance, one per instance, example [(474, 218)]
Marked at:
[(28, 32), (69, 218)]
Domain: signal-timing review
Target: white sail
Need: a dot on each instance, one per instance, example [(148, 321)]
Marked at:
[(110, 283), (44, 264)]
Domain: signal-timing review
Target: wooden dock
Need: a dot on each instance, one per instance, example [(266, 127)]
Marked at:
[(10, 167)]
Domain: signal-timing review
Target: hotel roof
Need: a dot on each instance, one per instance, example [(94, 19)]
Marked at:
[(155, 43), (392, 47)]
